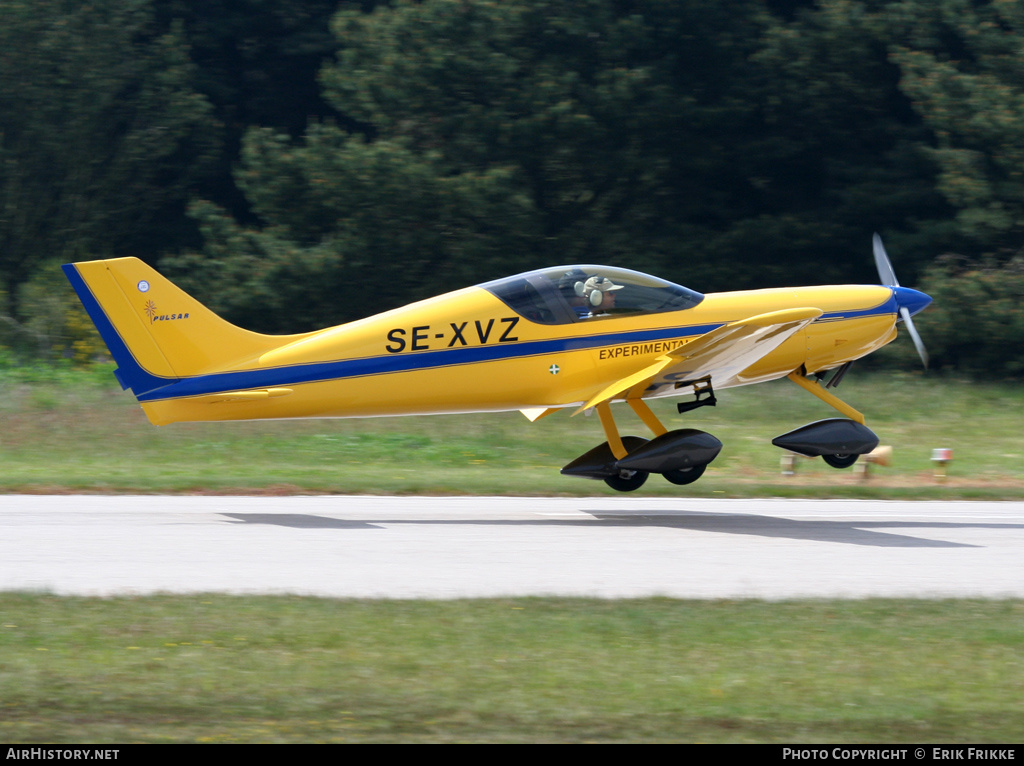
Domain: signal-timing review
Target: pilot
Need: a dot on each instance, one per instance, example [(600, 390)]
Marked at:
[(598, 294)]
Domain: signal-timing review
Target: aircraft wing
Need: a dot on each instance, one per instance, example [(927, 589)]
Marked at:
[(721, 354)]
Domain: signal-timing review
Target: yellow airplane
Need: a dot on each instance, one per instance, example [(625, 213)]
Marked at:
[(579, 337)]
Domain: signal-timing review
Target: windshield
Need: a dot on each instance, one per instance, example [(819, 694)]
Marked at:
[(566, 294)]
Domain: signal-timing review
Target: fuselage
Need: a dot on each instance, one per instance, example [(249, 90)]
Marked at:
[(478, 349)]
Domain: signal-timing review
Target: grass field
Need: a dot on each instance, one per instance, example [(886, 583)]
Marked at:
[(215, 668), (75, 431), (277, 669)]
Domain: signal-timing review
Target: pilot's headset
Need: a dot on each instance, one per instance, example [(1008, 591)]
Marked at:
[(593, 289)]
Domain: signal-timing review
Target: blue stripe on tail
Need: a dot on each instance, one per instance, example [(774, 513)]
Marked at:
[(129, 372)]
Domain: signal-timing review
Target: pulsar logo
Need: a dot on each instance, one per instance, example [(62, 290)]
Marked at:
[(156, 316)]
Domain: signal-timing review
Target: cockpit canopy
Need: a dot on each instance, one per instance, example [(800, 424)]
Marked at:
[(567, 294)]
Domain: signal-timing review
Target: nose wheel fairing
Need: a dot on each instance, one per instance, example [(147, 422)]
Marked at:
[(833, 437)]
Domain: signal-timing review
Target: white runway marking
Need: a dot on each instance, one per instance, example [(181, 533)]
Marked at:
[(414, 547)]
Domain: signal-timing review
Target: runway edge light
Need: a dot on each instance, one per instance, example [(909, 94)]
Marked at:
[(941, 458)]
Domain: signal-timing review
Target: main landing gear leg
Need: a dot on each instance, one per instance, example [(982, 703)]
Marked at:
[(647, 416), (680, 476), (611, 431), (624, 479), (625, 462)]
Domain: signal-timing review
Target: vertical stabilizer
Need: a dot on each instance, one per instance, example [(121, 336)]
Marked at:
[(156, 332)]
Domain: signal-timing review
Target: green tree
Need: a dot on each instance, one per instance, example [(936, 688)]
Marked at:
[(350, 228), (976, 322), (257, 63), (723, 145), (101, 134), (720, 145), (848, 153), (618, 122), (961, 67), (519, 135)]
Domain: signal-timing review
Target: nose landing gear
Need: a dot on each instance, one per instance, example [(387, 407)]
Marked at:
[(838, 441)]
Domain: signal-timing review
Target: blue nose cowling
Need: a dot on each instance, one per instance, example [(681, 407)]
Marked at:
[(911, 300)]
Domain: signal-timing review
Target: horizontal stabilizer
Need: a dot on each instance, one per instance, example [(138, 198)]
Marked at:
[(249, 396)]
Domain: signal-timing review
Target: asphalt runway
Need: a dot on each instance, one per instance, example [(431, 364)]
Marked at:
[(442, 547)]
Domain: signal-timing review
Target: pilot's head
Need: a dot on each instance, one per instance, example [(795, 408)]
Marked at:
[(598, 291)]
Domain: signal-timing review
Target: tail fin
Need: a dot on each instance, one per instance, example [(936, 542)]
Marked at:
[(156, 332)]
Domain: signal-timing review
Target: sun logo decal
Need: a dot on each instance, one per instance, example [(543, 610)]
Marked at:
[(154, 317)]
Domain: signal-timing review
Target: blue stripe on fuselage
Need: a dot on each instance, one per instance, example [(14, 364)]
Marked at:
[(404, 362), (408, 362)]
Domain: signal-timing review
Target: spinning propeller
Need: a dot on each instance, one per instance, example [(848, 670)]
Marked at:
[(908, 301)]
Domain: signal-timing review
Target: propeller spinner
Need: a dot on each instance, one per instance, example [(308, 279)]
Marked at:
[(908, 301)]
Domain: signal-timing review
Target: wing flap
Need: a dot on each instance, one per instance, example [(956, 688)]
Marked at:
[(721, 353)]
